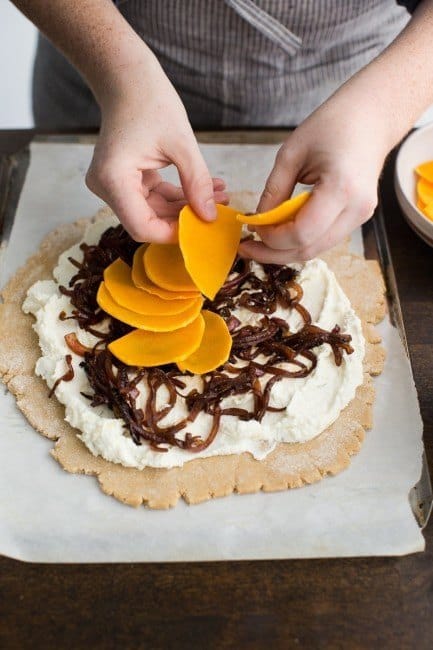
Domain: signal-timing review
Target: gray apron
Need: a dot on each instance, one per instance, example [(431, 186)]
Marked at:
[(234, 63)]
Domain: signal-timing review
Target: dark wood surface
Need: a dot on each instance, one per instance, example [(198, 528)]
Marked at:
[(356, 603)]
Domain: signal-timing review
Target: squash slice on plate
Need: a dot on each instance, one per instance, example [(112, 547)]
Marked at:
[(425, 171)]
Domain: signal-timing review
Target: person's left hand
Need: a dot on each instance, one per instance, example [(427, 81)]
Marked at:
[(342, 157)]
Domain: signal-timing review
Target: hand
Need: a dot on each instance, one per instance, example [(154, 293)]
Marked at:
[(145, 128), (167, 200), (342, 157)]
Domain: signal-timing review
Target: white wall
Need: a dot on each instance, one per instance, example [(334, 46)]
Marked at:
[(17, 48)]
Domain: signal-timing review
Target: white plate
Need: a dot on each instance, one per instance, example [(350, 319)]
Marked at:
[(418, 148)]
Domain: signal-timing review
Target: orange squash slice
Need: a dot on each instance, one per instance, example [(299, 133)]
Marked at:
[(144, 348), (428, 210), (119, 284), (425, 171), (209, 248), (165, 267), (141, 280), (284, 212), (152, 322), (424, 190), (214, 349)]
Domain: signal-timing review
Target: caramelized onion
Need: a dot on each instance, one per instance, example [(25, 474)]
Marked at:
[(83, 286), (74, 344), (267, 351), (68, 376)]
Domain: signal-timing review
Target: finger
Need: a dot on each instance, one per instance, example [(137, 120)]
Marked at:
[(221, 197), (123, 191), (311, 222), (281, 181), (347, 221), (169, 191), (172, 192), (310, 231), (218, 184), (195, 179), (341, 229), (151, 179), (170, 209), (258, 251), (165, 209)]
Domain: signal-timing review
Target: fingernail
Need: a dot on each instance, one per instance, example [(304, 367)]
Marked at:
[(210, 209)]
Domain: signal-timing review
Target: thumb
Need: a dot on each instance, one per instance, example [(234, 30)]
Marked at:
[(196, 181), (281, 181)]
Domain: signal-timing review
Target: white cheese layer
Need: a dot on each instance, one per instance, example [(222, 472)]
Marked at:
[(310, 404)]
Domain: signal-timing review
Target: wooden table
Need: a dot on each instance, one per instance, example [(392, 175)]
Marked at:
[(356, 603)]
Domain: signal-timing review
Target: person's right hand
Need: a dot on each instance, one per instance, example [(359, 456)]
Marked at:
[(145, 128)]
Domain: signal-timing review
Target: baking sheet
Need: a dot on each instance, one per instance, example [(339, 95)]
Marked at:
[(47, 515)]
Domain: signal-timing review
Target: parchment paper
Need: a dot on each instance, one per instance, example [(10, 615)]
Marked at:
[(47, 515)]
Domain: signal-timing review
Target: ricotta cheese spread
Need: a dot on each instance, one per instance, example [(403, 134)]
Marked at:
[(309, 404)]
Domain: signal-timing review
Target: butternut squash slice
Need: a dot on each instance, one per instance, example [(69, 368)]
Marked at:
[(428, 210), (214, 349), (284, 212), (152, 322), (209, 248), (119, 284), (144, 348), (425, 171), (165, 267), (424, 190), (141, 280)]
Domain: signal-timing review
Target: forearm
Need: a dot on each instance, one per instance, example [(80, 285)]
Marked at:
[(398, 84), (97, 40)]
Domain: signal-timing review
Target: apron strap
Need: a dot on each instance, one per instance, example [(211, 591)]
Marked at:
[(267, 25)]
